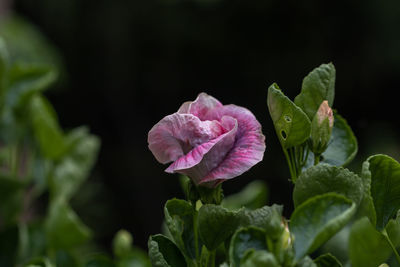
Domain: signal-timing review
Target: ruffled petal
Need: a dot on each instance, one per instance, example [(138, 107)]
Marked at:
[(184, 107), (203, 104), (248, 148), (204, 158), (177, 134)]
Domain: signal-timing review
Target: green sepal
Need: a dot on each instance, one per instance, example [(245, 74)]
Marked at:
[(317, 219)]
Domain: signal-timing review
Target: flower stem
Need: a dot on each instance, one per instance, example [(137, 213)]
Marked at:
[(292, 173), (196, 235)]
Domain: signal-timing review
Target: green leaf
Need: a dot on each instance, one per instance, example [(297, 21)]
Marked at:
[(64, 230), (318, 85), (26, 43), (342, 147), (243, 240), (324, 178), (318, 219), (179, 219), (291, 124), (259, 258), (306, 262), (25, 80), (253, 196), (367, 246), (385, 188), (46, 128), (164, 253), (367, 205), (216, 224), (268, 218), (137, 258), (39, 262), (75, 166), (327, 260)]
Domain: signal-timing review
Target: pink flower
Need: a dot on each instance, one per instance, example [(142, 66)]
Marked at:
[(208, 141)]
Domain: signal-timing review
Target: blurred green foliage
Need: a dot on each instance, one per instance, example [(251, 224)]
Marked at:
[(41, 165)]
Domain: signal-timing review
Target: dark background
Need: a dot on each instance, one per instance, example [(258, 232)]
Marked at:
[(130, 63)]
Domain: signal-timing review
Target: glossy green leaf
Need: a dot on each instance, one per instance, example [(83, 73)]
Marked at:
[(318, 85), (291, 124), (75, 166), (268, 218), (64, 229), (318, 219), (324, 178), (367, 246), (327, 260), (179, 219), (243, 240), (46, 128), (342, 147), (216, 224), (164, 253), (253, 196), (385, 188), (259, 258)]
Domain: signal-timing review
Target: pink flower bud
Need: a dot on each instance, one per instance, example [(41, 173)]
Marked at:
[(324, 112)]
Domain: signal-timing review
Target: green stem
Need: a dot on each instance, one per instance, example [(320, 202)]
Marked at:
[(211, 261), (292, 174), (196, 234), (316, 159), (391, 245)]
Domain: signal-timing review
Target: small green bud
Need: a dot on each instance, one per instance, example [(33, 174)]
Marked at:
[(122, 243), (321, 128), (286, 236)]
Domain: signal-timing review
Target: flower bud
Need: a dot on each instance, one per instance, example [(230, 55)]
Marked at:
[(321, 128)]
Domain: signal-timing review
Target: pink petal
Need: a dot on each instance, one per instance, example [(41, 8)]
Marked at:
[(202, 105), (248, 149), (177, 134), (185, 107), (206, 157)]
